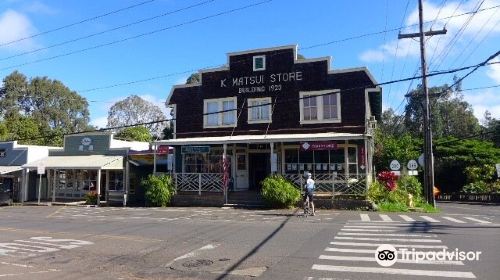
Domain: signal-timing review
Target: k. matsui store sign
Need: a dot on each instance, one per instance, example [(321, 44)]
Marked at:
[(318, 146), (261, 83)]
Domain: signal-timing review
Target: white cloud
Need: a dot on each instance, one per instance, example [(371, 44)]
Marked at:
[(37, 7), (484, 100), (100, 122), (476, 29), (13, 26), (494, 71)]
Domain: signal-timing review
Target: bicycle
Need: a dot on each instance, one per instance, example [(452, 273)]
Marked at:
[(307, 207)]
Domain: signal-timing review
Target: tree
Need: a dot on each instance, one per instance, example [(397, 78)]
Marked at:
[(134, 110), (399, 147), (392, 124), (135, 133), (450, 114), (193, 78), (53, 107)]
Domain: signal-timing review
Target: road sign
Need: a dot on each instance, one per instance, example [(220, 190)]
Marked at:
[(421, 160), (40, 169), (395, 165), (412, 165)]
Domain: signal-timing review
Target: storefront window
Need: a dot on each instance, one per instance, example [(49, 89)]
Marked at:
[(203, 163), (317, 162), (89, 179), (310, 108), (352, 154), (115, 180)]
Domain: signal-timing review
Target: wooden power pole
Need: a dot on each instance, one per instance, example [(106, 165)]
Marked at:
[(428, 155)]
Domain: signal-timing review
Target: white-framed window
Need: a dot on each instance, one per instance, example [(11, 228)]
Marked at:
[(219, 112), (320, 106), (258, 111), (259, 63)]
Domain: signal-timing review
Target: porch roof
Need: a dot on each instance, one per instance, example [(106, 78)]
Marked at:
[(9, 169), (262, 138), (79, 162)]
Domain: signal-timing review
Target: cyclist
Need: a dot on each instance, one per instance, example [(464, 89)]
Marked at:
[(309, 192)]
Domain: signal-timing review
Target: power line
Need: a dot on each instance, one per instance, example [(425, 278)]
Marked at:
[(108, 30), (77, 23), (139, 35)]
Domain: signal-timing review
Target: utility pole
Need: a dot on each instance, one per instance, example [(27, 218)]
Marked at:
[(428, 155)]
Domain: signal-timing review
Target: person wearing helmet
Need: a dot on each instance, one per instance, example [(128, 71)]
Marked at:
[(309, 191)]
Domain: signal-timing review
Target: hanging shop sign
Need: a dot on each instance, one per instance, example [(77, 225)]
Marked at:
[(362, 160), (162, 149), (318, 146), (195, 149)]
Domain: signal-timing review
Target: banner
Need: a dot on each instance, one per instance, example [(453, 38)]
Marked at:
[(318, 146)]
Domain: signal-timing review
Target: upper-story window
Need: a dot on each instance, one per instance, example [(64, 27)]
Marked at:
[(320, 106), (219, 112), (259, 63), (259, 110)]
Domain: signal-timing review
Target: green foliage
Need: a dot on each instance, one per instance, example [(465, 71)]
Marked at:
[(389, 147), (91, 198), (43, 107), (135, 133), (411, 185), (392, 207), (158, 190), (277, 192), (193, 79)]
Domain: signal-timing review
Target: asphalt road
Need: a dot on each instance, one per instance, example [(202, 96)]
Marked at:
[(215, 243)]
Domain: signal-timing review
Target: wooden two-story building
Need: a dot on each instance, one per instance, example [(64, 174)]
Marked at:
[(268, 112)]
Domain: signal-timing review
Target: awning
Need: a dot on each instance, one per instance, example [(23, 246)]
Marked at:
[(262, 138), (9, 169), (79, 162)]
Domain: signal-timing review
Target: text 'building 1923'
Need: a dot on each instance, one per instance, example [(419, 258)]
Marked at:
[(269, 112)]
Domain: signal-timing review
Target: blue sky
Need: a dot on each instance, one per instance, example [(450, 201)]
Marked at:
[(189, 43)]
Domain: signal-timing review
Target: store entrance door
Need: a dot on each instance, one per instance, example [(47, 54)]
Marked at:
[(259, 169)]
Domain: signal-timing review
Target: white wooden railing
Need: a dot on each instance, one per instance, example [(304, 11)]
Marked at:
[(198, 182), (334, 184)]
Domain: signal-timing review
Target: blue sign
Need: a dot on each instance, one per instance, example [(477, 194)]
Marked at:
[(195, 149)]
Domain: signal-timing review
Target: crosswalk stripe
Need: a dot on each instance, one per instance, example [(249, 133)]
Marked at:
[(477, 220), (454, 220), (407, 218), (385, 270), (372, 251), (372, 259), (364, 217), (393, 227), (385, 218), (427, 218), (387, 234), (363, 244), (388, 239), (369, 230)]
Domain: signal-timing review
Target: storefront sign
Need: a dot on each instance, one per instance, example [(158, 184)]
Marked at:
[(274, 162), (362, 161), (3, 153), (257, 83), (195, 149), (318, 146), (162, 149)]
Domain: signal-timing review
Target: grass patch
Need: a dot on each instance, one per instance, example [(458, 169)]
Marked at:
[(392, 207), (427, 208)]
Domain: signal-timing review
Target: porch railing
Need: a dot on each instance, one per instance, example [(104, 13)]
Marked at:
[(198, 182), (334, 184)]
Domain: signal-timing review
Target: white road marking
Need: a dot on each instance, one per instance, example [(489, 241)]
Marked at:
[(364, 217), (194, 253), (386, 234), (453, 220), (384, 270), (16, 264), (32, 272), (369, 230), (388, 239), (371, 251), (407, 218), (385, 218), (429, 219), (392, 227), (372, 259), (477, 220)]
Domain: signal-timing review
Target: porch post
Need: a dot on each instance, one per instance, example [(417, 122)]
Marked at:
[(98, 186), (154, 158), (224, 158), (271, 156), (107, 186), (52, 186), (282, 159), (24, 189)]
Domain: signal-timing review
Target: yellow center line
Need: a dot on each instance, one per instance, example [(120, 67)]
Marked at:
[(55, 212)]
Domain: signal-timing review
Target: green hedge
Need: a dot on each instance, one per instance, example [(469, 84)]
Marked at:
[(158, 190), (397, 200), (278, 192)]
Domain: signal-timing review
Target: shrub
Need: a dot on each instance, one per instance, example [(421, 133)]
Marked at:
[(278, 192), (91, 198), (412, 185), (396, 200), (158, 190)]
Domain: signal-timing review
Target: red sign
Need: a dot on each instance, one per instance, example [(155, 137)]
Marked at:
[(318, 146), (162, 149)]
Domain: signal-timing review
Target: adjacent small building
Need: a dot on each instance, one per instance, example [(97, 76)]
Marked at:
[(12, 157), (87, 162), (269, 112)]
